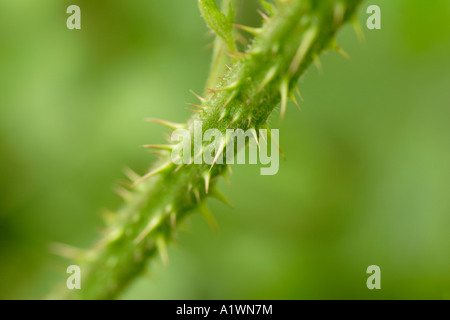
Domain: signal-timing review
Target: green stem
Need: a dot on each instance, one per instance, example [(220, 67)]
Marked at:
[(297, 32)]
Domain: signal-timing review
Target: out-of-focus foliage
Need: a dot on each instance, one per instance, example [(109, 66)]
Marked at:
[(366, 180)]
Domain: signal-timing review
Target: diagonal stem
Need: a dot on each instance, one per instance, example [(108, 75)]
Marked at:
[(265, 75)]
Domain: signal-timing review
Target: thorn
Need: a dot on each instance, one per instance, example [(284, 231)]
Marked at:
[(305, 45), (123, 193), (318, 64), (253, 31), (268, 77), (197, 195), (222, 115), (215, 193), (130, 174), (292, 96), (151, 226), (154, 172), (234, 85), (342, 52), (165, 123), (162, 249), (236, 118), (263, 15), (262, 135), (197, 96), (66, 251), (358, 30), (195, 105), (221, 79), (237, 55), (249, 121), (241, 39), (194, 110), (229, 68), (284, 91), (167, 147), (207, 177), (209, 217), (218, 153), (229, 99), (255, 136)]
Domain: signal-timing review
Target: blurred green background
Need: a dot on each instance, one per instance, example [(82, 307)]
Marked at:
[(366, 180)]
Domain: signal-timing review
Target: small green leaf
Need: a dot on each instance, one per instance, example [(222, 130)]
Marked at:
[(218, 22)]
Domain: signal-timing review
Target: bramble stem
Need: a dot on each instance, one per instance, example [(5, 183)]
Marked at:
[(262, 77)]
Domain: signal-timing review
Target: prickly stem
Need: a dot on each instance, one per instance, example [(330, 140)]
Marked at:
[(293, 34)]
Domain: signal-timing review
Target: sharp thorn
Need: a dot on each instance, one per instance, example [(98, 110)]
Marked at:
[(342, 52), (358, 30), (221, 197), (165, 123), (284, 91), (253, 31), (194, 110), (237, 55), (209, 217), (318, 64), (195, 105), (151, 226), (263, 15), (167, 147), (197, 96), (154, 172), (218, 153), (123, 193), (292, 96), (255, 136), (267, 78), (162, 249), (197, 195), (66, 251), (299, 93), (130, 174), (207, 178), (222, 115)]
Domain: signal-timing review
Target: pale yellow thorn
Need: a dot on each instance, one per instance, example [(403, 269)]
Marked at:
[(162, 249), (151, 226), (197, 96), (284, 91)]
